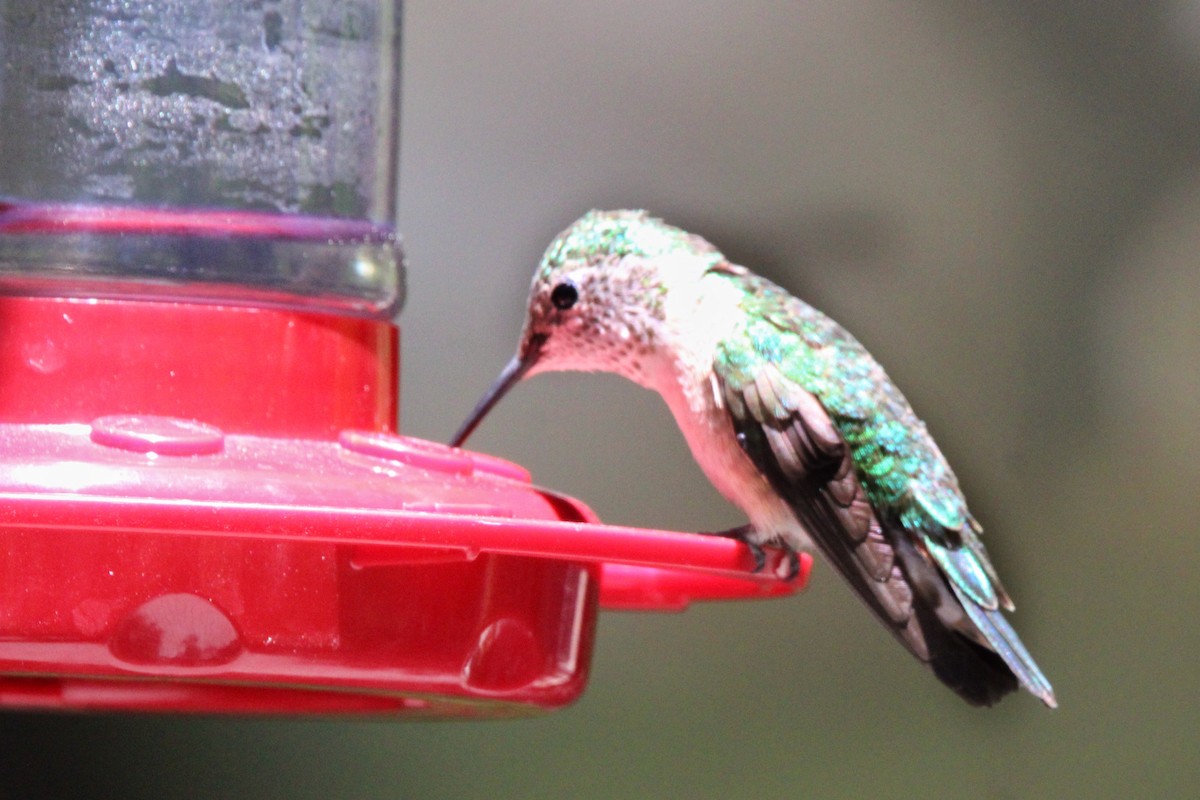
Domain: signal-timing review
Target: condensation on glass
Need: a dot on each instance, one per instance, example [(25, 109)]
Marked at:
[(227, 151)]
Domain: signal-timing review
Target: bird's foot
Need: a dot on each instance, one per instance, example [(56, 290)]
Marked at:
[(743, 534)]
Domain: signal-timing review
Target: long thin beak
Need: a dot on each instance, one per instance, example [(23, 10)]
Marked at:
[(521, 363)]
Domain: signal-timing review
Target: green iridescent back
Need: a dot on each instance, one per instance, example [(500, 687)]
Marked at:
[(898, 464)]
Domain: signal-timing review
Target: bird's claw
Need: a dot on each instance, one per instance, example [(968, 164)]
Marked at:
[(742, 534), (759, 556)]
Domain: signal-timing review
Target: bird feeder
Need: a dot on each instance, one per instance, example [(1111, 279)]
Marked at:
[(205, 505)]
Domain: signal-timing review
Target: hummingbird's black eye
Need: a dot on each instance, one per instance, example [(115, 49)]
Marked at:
[(564, 295)]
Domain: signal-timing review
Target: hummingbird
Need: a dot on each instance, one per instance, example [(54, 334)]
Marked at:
[(793, 421)]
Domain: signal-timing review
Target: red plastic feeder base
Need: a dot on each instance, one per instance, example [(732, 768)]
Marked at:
[(203, 508)]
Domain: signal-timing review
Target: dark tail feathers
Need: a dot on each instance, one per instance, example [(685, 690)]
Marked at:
[(977, 674)]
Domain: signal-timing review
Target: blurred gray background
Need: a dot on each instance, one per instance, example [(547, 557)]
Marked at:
[(1001, 200)]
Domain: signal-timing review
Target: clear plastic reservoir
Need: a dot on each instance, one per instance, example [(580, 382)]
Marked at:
[(207, 151)]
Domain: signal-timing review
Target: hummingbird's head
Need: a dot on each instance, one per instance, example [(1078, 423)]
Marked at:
[(600, 299), (597, 302)]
